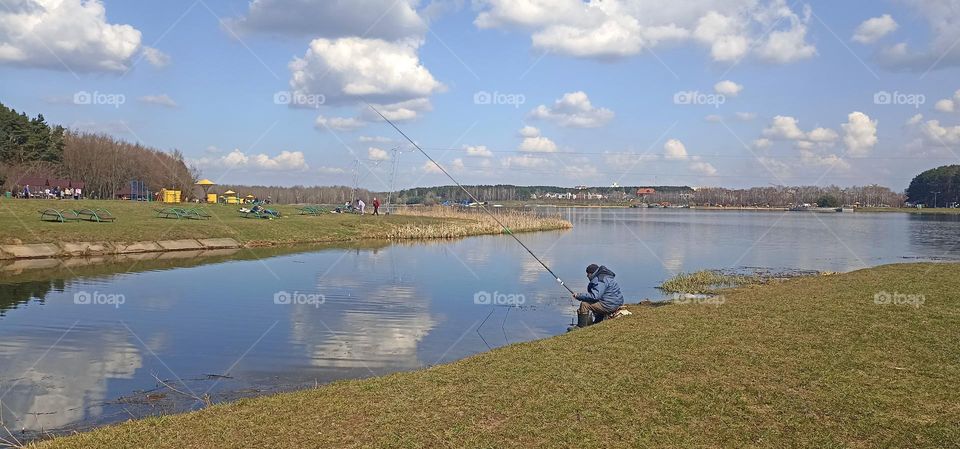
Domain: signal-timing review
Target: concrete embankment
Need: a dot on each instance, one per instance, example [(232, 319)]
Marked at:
[(82, 249)]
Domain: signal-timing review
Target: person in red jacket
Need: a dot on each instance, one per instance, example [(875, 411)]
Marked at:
[(376, 206)]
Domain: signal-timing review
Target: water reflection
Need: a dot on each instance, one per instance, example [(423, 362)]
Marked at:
[(49, 390)]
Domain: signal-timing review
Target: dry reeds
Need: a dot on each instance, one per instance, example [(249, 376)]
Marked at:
[(473, 222)]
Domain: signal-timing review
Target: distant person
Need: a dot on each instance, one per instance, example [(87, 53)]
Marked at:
[(602, 298), (26, 191), (376, 206), (77, 194), (362, 206)]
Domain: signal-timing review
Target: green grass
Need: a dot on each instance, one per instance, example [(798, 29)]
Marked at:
[(808, 362), (137, 221)]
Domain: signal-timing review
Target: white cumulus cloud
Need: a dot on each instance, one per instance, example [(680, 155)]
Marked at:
[(674, 150), (859, 134), (478, 151), (69, 35), (236, 159), (377, 154), (728, 88), (533, 142), (575, 110), (609, 29), (353, 69), (871, 30), (784, 127)]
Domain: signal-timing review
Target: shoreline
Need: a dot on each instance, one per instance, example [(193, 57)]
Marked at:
[(138, 229), (669, 369)]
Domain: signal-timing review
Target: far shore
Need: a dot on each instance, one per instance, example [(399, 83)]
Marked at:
[(138, 228)]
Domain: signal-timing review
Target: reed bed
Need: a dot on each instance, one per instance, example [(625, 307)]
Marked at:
[(706, 282), (466, 222)]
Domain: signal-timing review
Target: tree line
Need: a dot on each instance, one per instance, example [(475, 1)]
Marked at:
[(299, 194), (773, 196), (32, 148), (937, 187)]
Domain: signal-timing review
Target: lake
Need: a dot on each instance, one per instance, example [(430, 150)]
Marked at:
[(88, 344)]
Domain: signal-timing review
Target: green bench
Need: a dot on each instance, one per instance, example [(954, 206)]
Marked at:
[(61, 216), (97, 215)]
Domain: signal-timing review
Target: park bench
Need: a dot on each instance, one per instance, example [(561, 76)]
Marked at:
[(179, 212), (61, 216), (97, 215)]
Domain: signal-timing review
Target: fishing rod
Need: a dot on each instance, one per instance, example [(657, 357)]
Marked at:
[(475, 200)]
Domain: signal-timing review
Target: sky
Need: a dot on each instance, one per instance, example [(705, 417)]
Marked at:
[(733, 93)]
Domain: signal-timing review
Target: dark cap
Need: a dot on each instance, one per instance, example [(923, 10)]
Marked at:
[(592, 268)]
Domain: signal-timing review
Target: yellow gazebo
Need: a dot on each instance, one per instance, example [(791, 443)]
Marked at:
[(249, 198), (231, 197), (205, 184)]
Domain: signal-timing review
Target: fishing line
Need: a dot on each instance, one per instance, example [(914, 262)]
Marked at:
[(475, 200)]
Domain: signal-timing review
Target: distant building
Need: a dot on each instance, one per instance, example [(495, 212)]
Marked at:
[(646, 191), (581, 187)]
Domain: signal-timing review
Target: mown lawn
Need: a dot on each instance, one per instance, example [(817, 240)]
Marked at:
[(809, 362), (137, 221)]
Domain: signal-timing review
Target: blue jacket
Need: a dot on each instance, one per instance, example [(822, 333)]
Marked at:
[(603, 288)]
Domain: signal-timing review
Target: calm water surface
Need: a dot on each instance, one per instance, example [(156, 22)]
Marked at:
[(212, 326)]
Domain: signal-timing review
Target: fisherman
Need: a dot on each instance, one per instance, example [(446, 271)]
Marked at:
[(603, 296)]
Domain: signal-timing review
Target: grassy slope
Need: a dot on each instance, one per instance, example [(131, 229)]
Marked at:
[(19, 220), (810, 362)]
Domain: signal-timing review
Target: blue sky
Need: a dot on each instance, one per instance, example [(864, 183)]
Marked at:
[(705, 93)]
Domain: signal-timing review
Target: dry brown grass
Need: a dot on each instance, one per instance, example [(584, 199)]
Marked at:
[(460, 222)]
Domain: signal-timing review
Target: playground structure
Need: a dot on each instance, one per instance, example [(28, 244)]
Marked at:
[(138, 191), (169, 196), (205, 184)]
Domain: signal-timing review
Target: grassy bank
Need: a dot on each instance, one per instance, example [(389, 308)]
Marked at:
[(807, 362), (137, 221)]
